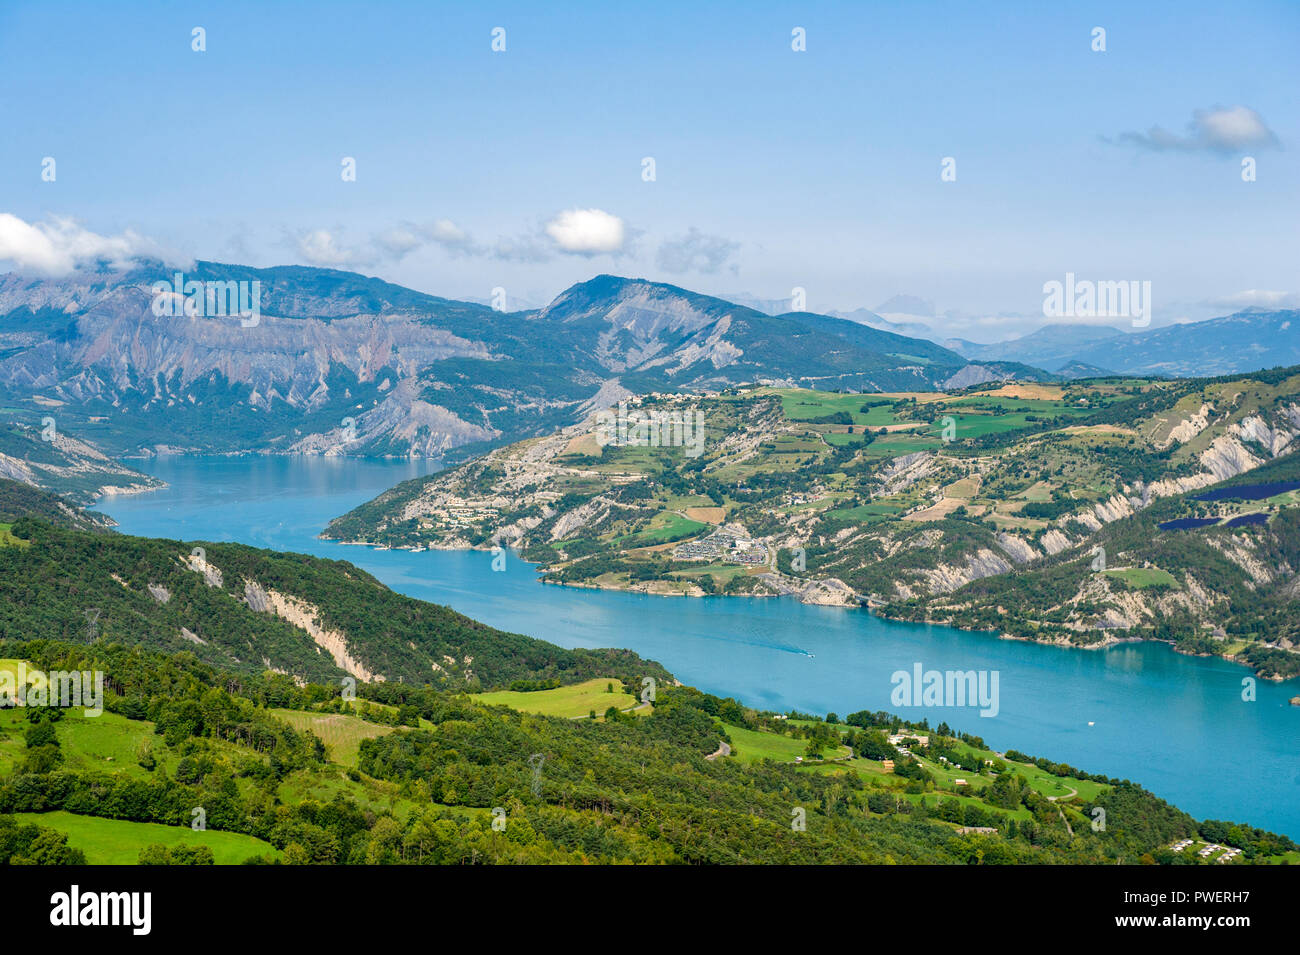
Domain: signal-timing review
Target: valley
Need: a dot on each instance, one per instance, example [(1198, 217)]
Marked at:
[(592, 436), (669, 444), (782, 654)]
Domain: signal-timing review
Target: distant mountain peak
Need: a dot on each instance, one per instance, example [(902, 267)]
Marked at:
[(1077, 331), (906, 305)]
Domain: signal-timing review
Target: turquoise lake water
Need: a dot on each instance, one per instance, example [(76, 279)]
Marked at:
[(1175, 724)]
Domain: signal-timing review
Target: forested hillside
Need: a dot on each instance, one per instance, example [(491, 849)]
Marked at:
[(419, 775), (18, 500), (250, 610)]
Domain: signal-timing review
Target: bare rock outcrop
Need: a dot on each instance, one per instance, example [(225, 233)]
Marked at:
[(306, 617), (1020, 550), (948, 577), (257, 599)]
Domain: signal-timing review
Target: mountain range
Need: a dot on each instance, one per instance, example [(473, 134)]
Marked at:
[(339, 363), (1249, 340)]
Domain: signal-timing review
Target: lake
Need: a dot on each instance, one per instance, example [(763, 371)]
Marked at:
[(1176, 724)]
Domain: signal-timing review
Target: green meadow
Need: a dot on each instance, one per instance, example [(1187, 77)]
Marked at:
[(668, 526), (866, 513), (573, 701), (340, 732), (1142, 577), (750, 746), (118, 842), (978, 425), (810, 405)]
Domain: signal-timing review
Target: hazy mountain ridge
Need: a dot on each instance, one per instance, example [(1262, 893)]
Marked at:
[(1245, 341), (1050, 347)]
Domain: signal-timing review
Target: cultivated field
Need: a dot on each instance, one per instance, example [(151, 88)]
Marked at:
[(572, 701), (340, 732)]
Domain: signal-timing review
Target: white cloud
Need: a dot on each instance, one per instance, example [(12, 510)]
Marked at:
[(320, 247), (587, 232), (695, 252), (1217, 130), (447, 233), (398, 241), (1259, 298), (60, 246), (575, 232), (405, 238)]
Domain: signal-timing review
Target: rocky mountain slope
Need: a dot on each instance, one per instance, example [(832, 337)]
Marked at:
[(1224, 583), (337, 363), (49, 459)]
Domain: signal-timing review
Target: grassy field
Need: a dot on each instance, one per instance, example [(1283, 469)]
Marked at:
[(978, 425), (945, 782), (866, 513), (809, 405), (1004, 405), (1042, 491), (750, 746), (103, 743), (118, 842), (890, 446), (666, 526), (341, 733), (374, 795), (721, 573), (945, 776), (7, 538), (571, 701), (1143, 577), (1058, 786)]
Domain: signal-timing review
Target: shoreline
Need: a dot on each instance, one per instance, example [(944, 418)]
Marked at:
[(271, 453), (865, 603)]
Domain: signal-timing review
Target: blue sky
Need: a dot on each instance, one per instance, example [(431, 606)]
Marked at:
[(774, 168)]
